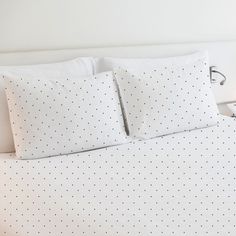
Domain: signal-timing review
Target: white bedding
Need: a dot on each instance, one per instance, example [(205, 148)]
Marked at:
[(182, 184)]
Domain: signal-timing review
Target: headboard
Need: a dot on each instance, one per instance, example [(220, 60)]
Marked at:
[(222, 54)]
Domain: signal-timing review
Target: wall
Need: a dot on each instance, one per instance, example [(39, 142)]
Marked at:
[(55, 24)]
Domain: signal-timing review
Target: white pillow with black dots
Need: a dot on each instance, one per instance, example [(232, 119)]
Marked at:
[(54, 117), (82, 66), (168, 98)]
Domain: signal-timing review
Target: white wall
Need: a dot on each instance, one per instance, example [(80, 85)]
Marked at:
[(53, 24)]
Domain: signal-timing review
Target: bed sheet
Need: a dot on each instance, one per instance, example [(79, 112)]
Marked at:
[(181, 184)]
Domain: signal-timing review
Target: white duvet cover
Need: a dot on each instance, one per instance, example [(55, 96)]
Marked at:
[(182, 184)]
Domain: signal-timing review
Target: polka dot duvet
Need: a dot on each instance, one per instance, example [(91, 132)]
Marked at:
[(179, 184)]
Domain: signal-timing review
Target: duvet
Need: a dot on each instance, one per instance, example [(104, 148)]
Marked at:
[(180, 184)]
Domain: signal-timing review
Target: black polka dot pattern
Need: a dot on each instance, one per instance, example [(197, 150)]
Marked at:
[(182, 184), (167, 99), (80, 67), (52, 117)]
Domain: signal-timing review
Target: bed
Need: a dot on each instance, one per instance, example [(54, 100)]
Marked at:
[(177, 184), (181, 184)]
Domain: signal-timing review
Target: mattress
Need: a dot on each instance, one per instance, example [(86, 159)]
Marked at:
[(181, 184)]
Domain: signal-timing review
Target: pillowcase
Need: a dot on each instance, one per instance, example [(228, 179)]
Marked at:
[(142, 64), (76, 67), (167, 99), (54, 117)]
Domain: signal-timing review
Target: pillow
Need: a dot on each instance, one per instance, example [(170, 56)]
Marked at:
[(142, 64), (76, 67), (167, 99), (54, 117)]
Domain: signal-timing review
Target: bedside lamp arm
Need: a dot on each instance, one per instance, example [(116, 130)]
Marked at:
[(213, 70)]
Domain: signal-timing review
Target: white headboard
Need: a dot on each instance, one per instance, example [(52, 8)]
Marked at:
[(222, 54)]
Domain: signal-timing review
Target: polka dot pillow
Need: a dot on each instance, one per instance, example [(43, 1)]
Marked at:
[(82, 66), (168, 98), (54, 117)]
